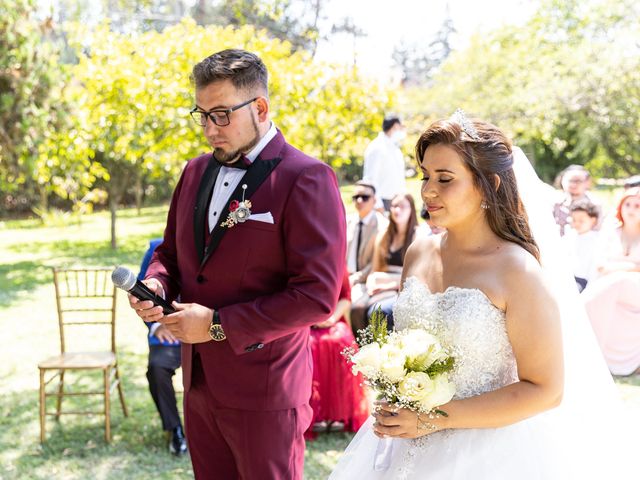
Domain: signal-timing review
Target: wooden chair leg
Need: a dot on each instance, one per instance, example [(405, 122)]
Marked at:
[(60, 394), (42, 406), (107, 406), (121, 393)]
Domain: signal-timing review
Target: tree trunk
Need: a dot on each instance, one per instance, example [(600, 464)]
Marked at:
[(139, 193), (200, 12), (44, 201), (113, 209)]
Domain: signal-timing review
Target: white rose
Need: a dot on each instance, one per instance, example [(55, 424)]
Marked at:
[(416, 342), (443, 391), (367, 361), (435, 354), (416, 387), (422, 349), (393, 359)]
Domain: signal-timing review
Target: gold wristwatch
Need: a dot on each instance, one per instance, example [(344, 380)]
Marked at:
[(215, 329)]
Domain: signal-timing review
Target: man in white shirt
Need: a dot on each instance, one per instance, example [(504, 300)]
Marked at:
[(362, 230), (384, 164)]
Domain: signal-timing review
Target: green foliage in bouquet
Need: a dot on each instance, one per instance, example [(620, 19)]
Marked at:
[(422, 363), (376, 331)]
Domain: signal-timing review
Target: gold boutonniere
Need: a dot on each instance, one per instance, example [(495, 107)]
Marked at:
[(239, 212)]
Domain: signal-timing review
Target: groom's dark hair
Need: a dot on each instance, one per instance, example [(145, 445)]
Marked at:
[(488, 155), (245, 70)]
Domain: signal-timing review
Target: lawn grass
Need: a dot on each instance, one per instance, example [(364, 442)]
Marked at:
[(75, 448)]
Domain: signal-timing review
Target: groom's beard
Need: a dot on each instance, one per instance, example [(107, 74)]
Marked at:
[(229, 158)]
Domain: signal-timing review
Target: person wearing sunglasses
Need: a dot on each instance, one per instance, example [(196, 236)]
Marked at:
[(362, 230), (249, 251)]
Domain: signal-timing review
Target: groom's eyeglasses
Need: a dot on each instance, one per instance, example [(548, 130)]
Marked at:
[(219, 116), (364, 198)]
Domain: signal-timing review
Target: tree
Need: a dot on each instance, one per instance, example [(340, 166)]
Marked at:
[(417, 64), (124, 16), (31, 104), (294, 21), (549, 82), (135, 94), (348, 27), (333, 114)]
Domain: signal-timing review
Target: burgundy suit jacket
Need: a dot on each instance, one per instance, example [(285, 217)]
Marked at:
[(269, 282)]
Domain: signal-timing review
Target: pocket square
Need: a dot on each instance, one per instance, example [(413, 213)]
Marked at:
[(262, 217)]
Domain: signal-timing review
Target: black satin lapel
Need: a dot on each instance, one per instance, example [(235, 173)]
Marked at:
[(256, 174), (207, 182)]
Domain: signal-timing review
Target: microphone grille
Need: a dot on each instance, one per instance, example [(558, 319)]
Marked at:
[(123, 278)]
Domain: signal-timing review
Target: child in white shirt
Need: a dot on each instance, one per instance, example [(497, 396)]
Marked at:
[(581, 241)]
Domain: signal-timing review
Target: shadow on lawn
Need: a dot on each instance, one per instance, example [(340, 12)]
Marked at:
[(20, 277), (26, 276), (75, 446)]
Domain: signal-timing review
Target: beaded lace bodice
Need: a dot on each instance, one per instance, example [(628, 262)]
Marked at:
[(472, 327)]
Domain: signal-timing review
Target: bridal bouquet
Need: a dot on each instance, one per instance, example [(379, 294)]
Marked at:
[(407, 368)]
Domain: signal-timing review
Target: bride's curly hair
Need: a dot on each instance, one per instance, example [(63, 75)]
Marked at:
[(487, 152)]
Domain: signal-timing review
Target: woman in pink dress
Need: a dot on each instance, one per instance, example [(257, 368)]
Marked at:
[(338, 399), (613, 299)]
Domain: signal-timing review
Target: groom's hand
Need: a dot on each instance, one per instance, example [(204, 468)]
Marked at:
[(190, 323)]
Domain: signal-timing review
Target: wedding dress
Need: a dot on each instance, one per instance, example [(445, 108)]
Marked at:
[(468, 321), (590, 436)]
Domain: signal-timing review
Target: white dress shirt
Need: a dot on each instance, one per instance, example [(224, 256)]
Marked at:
[(353, 253), (581, 251), (229, 178), (384, 167)]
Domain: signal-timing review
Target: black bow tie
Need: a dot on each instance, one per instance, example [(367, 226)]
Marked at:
[(241, 163)]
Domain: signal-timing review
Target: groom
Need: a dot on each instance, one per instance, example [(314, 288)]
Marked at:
[(254, 246)]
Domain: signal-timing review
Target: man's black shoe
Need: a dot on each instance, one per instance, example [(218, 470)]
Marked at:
[(178, 443)]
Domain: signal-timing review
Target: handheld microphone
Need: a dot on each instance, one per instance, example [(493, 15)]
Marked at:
[(125, 279)]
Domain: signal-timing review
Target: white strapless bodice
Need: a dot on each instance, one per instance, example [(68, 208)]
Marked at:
[(467, 323)]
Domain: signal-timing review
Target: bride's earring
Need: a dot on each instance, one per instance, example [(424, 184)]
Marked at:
[(484, 205)]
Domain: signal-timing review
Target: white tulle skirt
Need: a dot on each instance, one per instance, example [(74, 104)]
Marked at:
[(539, 448)]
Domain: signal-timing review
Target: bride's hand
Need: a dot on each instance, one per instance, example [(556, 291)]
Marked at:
[(392, 421)]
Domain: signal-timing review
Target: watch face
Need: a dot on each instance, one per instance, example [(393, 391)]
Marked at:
[(217, 333)]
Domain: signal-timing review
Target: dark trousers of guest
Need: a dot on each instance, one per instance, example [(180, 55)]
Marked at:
[(163, 363), (358, 318), (581, 283), (362, 310)]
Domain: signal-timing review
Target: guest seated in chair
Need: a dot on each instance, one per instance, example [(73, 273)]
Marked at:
[(164, 360), (337, 399), (391, 245), (613, 299), (362, 229)]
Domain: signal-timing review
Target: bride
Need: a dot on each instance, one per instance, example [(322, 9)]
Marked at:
[(494, 288)]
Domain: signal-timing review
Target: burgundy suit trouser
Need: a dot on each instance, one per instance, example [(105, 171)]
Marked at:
[(228, 444)]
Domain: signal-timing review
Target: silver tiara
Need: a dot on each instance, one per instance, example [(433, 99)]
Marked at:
[(461, 119)]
